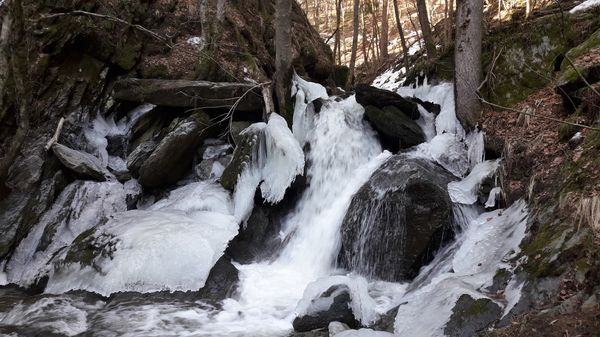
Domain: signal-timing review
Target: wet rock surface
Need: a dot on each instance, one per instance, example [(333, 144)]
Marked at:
[(470, 316), (173, 155), (397, 220), (395, 129), (332, 306), (82, 164), (380, 98)]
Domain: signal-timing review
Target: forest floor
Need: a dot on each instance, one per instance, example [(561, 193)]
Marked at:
[(546, 162)]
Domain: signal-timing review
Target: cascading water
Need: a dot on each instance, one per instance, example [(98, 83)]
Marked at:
[(343, 154)]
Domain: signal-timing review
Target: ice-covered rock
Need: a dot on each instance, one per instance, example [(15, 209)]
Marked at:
[(172, 245), (83, 164), (270, 157), (466, 191), (81, 206)]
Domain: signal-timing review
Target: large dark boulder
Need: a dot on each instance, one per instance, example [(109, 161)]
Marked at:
[(395, 129), (189, 94), (331, 306), (221, 282), (380, 98), (470, 316), (173, 155), (397, 220), (82, 164)]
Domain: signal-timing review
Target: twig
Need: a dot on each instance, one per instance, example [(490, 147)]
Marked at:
[(483, 100), (54, 138), (581, 75), (332, 35), (491, 70)]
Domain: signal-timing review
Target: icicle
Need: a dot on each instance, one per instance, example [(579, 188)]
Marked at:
[(465, 191), (277, 159)]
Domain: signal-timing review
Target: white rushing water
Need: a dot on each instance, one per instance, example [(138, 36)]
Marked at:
[(173, 243)]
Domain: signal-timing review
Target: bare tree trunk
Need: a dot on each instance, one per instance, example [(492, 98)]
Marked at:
[(527, 8), (326, 16), (354, 41), (426, 28), (467, 58), (375, 34), (364, 36), (449, 22), (401, 32), (414, 26), (343, 42), (336, 45), (317, 21), (283, 46), (385, 31)]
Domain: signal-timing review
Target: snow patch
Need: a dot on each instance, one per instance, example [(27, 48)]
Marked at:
[(588, 4)]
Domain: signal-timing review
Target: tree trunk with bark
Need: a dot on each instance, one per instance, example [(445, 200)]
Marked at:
[(401, 33), (467, 58), (336, 45), (426, 28), (355, 15), (385, 31), (283, 48)]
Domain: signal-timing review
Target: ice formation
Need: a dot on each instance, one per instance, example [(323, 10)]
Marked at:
[(477, 253), (588, 4), (276, 160), (465, 191), (362, 304), (171, 246), (81, 206)]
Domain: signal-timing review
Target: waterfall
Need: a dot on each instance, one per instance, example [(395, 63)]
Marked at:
[(341, 152)]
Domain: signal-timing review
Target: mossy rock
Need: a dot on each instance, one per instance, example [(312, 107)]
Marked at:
[(567, 131), (470, 316), (526, 54), (128, 54), (245, 151), (586, 46)]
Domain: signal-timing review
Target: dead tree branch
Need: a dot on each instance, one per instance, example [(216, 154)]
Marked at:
[(54, 138)]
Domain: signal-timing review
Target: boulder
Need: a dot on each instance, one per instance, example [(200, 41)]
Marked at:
[(331, 306), (83, 164), (221, 282), (429, 106), (397, 220), (380, 98), (189, 94), (395, 129), (571, 84), (470, 316), (242, 155), (173, 155), (137, 157)]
